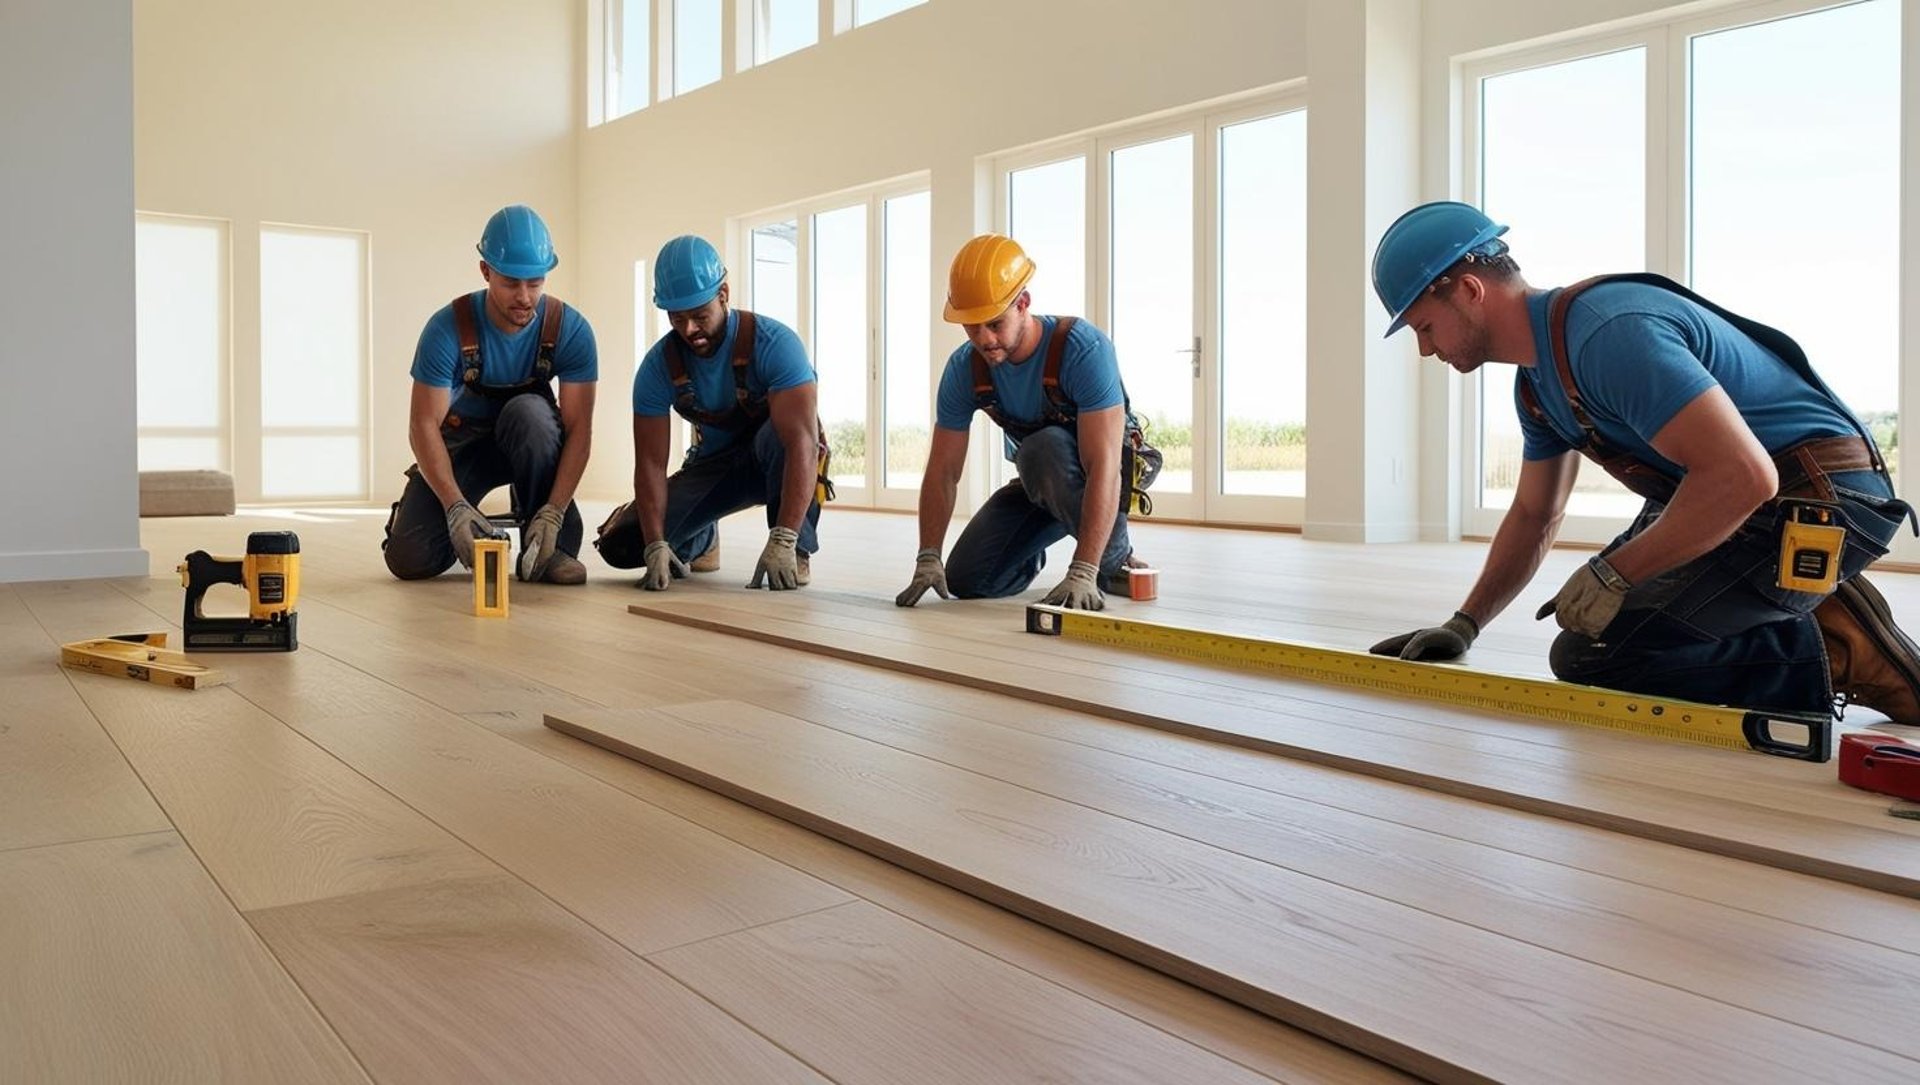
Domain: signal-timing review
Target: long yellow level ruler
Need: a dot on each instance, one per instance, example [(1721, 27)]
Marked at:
[(143, 657), (1805, 736)]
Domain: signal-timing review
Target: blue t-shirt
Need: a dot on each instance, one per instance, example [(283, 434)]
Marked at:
[(1639, 354), (1089, 377), (779, 362), (504, 359)]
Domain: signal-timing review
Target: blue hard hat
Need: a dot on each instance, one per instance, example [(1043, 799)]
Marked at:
[(1421, 245), (687, 274), (516, 243)]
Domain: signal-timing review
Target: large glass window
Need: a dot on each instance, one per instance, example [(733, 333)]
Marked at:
[(629, 56), (696, 44), (776, 278), (1152, 284), (1795, 196), (1563, 162), (840, 336), (313, 363), (1775, 155), (180, 329), (906, 342), (1047, 214), (1263, 306), (783, 26)]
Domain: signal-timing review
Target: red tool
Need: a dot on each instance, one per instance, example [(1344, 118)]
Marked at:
[(1876, 762)]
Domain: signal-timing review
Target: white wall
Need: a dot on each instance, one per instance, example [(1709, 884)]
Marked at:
[(66, 291), (413, 120)]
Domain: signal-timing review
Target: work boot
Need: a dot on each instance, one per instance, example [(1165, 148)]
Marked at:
[(708, 562), (1873, 663), (564, 569), (804, 565)]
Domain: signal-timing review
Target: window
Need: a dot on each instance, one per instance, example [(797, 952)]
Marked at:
[(840, 337), (1780, 204), (313, 363), (1197, 258), (629, 56), (852, 276), (696, 44), (1262, 447), (867, 11), (181, 342), (1563, 163), (906, 344), (783, 26)]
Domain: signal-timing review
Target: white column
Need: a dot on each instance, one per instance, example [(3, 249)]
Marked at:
[(1363, 155)]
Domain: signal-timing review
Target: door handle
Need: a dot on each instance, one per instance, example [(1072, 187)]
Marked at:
[(1195, 351)]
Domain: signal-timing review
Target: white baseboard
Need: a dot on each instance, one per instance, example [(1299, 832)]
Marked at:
[(73, 565)]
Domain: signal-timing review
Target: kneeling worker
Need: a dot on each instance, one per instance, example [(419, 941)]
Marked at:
[(1736, 444), (1053, 385), (744, 383), (500, 349)]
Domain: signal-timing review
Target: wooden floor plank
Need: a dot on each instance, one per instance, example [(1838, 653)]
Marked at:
[(1826, 981), (1250, 1039), (124, 963), (1423, 993), (486, 980), (61, 779), (1881, 856), (871, 999)]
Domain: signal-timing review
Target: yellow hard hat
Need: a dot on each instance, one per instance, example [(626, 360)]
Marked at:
[(986, 277)]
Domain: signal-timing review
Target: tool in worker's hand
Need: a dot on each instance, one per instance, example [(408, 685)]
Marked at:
[(143, 657), (490, 578), (1883, 763), (270, 573), (1662, 717)]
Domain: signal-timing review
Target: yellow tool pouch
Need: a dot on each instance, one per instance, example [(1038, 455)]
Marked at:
[(823, 480), (1811, 538)]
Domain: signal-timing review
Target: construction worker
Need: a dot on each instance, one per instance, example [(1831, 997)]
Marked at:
[(485, 414), (743, 381), (1060, 432), (1722, 426)]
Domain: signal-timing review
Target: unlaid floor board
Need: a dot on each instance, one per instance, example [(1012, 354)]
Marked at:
[(1253, 1040), (1433, 996), (1881, 854), (485, 980), (1821, 979), (125, 963), (870, 998)]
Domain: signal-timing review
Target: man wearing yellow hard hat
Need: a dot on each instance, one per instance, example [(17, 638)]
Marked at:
[(1053, 385)]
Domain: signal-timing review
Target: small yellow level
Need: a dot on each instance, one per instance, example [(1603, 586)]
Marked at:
[(1807, 737), (143, 657)]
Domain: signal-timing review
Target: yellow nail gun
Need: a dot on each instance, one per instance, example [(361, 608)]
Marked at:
[(271, 575)]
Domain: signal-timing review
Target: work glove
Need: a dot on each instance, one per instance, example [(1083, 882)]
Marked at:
[(1589, 600), (928, 572), (779, 566), (1448, 640), (537, 542), (465, 524), (663, 566), (1080, 590)]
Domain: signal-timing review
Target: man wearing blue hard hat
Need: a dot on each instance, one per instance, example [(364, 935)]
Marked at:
[(485, 414), (1739, 582), (743, 381)]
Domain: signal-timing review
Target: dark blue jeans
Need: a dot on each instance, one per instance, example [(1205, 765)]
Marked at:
[(737, 477), (1719, 629), (1005, 545), (518, 447)]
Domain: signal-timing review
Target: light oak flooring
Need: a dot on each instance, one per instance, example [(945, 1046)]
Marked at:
[(369, 859)]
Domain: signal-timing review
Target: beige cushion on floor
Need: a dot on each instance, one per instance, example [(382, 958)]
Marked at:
[(186, 493)]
